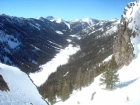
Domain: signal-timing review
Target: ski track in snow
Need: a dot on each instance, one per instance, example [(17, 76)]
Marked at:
[(61, 58)]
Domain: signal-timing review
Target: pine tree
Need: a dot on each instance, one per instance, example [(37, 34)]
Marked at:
[(90, 76), (110, 76), (59, 88), (85, 80), (52, 97), (65, 91), (78, 81)]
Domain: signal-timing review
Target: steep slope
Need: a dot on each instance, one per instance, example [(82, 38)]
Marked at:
[(126, 43), (21, 89), (101, 25), (46, 69), (127, 91), (33, 41), (29, 43), (90, 21), (126, 51), (79, 24)]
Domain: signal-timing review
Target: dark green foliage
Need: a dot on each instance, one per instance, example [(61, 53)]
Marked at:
[(52, 97), (65, 91), (78, 80), (110, 76)]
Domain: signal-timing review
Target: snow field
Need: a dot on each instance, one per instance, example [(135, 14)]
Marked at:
[(51, 66), (22, 90)]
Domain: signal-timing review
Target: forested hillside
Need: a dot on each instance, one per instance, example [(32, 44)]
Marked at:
[(82, 67)]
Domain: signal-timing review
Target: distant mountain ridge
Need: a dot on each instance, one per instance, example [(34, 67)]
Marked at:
[(104, 45), (28, 42), (96, 44)]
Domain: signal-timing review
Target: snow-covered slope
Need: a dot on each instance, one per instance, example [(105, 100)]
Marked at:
[(61, 58), (132, 16), (127, 91), (58, 20), (22, 90), (90, 21), (76, 20), (106, 27), (30, 40)]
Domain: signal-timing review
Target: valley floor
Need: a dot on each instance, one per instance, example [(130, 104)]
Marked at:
[(51, 66)]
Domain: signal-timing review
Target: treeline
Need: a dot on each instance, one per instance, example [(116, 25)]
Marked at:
[(81, 69), (62, 86)]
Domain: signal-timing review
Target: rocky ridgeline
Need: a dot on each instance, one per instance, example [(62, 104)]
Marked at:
[(123, 48)]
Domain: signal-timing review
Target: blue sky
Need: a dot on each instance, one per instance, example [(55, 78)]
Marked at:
[(65, 9)]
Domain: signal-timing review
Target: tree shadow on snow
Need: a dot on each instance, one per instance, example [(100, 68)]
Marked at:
[(126, 83)]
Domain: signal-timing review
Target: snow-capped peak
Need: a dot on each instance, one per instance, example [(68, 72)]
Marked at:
[(76, 20), (52, 19), (49, 17), (39, 18), (131, 16), (57, 20), (88, 20)]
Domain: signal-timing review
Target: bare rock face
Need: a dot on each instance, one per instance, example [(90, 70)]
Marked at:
[(122, 47), (3, 84)]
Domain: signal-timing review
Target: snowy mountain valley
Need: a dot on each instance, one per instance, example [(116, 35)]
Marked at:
[(50, 61)]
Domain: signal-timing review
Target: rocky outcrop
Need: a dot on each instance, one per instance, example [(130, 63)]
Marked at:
[(3, 84), (122, 47)]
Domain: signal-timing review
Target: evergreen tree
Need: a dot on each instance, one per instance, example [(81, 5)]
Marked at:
[(90, 76), (59, 88), (110, 76), (65, 91), (85, 80), (78, 81), (52, 98)]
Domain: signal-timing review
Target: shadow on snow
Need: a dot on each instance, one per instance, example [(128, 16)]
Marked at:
[(126, 83)]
